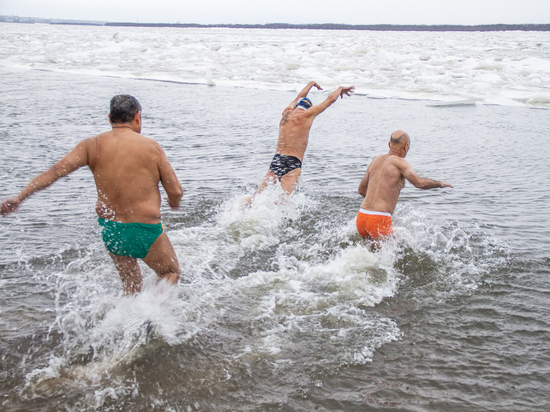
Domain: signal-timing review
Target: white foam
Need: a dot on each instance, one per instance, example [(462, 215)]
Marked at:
[(102, 332), (312, 294), (298, 292), (258, 224)]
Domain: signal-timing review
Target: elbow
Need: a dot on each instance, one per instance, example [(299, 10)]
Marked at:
[(177, 191), (421, 183), (432, 184), (174, 198)]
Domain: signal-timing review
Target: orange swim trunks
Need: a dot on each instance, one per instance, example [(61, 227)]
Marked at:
[(373, 224)]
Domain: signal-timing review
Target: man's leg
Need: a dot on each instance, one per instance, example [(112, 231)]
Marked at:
[(290, 180), (130, 273), (162, 259), (269, 179)]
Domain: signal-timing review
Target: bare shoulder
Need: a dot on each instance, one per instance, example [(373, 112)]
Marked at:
[(98, 139), (287, 109), (304, 116), (91, 140), (399, 165), (145, 143), (103, 135), (150, 140), (153, 147), (314, 110), (397, 161), (378, 161), (88, 144)]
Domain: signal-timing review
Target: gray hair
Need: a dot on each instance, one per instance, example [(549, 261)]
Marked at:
[(124, 108)]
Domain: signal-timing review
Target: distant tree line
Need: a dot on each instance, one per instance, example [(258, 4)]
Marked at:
[(327, 26), (331, 26)]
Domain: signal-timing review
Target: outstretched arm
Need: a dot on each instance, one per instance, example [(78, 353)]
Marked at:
[(419, 182), (303, 93), (321, 107), (73, 160), (306, 89)]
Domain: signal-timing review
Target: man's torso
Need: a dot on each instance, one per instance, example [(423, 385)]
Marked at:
[(384, 184), (125, 169), (294, 133)]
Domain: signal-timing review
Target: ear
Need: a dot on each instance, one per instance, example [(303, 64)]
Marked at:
[(109, 117), (136, 123), (137, 117)]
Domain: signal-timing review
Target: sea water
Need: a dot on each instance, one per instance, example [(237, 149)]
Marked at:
[(280, 306)]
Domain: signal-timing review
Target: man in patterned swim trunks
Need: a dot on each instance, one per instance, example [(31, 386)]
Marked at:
[(127, 169), (382, 184), (294, 127)]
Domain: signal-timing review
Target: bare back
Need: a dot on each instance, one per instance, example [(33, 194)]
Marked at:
[(296, 123), (127, 170), (294, 130), (383, 182)]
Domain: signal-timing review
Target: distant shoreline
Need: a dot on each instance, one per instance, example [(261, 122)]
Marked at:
[(327, 26), (371, 27)]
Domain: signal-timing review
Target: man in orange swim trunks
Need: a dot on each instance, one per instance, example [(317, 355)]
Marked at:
[(382, 184)]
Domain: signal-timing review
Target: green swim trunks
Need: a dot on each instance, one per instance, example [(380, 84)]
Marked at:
[(129, 239)]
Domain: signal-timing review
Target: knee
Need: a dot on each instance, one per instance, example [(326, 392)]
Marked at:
[(177, 271), (174, 271), (171, 277)]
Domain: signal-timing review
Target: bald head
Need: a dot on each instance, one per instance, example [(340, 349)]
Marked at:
[(399, 143), (399, 138)]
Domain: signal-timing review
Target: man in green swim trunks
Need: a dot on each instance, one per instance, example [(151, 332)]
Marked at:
[(127, 169)]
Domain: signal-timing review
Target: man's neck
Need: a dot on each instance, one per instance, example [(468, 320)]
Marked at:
[(123, 126)]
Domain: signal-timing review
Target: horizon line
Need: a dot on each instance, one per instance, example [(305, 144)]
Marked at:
[(319, 26)]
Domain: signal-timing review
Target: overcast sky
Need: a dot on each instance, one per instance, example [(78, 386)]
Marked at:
[(287, 11)]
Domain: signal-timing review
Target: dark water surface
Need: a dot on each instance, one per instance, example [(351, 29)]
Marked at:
[(280, 308)]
